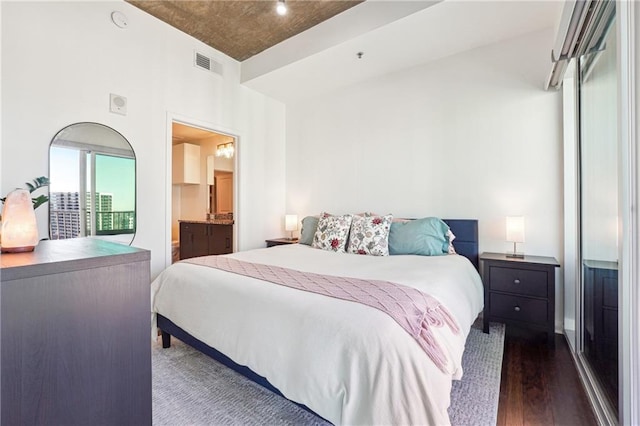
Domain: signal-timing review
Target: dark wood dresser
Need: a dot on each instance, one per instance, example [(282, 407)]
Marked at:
[(76, 334), (601, 322), (519, 291)]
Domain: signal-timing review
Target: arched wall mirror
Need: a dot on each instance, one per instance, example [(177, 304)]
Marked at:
[(92, 169)]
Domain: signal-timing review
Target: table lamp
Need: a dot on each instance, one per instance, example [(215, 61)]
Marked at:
[(291, 224), (515, 234)]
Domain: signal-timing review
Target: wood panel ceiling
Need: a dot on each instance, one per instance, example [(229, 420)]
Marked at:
[(242, 28)]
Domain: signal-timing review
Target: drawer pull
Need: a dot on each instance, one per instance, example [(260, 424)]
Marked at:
[(516, 308), (516, 281)]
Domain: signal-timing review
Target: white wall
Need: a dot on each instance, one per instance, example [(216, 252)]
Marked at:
[(470, 136), (60, 61)]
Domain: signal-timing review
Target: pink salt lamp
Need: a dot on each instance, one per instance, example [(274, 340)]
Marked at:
[(19, 227)]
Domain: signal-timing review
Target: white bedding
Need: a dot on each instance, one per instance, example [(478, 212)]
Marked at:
[(349, 363)]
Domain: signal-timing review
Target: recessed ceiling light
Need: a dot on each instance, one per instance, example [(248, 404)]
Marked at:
[(281, 8)]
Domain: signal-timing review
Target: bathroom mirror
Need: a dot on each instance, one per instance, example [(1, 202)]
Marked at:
[(92, 169)]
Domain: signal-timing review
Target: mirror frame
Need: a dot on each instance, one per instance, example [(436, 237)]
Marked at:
[(106, 151)]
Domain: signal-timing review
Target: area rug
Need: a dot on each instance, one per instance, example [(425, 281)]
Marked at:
[(474, 399), (189, 388)]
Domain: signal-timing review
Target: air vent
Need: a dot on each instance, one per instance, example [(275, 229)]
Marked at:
[(204, 62)]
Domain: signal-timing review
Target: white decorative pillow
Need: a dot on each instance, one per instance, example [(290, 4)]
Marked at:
[(332, 232), (370, 235)]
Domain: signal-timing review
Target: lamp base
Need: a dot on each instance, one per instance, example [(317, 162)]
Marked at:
[(17, 249), (515, 255)]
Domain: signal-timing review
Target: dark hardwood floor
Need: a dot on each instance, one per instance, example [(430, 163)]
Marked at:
[(540, 384)]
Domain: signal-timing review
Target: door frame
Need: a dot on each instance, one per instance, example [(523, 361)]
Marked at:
[(211, 127), (628, 15)]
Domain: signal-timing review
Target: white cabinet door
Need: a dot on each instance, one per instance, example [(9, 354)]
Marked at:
[(186, 164)]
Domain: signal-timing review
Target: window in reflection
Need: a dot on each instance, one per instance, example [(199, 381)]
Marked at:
[(114, 195), (64, 195), (93, 181)]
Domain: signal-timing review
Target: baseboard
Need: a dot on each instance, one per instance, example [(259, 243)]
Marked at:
[(570, 337)]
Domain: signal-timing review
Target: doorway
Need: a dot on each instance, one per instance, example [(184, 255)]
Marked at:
[(203, 165), (221, 193)]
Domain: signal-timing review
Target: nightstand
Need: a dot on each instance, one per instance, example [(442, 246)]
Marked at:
[(520, 291), (280, 241)]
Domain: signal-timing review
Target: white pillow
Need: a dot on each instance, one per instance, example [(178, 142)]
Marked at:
[(451, 237)]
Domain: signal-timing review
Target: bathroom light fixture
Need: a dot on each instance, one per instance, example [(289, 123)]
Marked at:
[(515, 233), (281, 8), (291, 224), (19, 227), (225, 150)]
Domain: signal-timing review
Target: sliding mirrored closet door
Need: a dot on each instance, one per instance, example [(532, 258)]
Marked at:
[(598, 157)]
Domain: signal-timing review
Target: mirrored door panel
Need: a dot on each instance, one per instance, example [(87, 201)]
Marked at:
[(598, 144)]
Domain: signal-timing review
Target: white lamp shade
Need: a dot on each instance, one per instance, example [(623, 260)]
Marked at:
[(19, 226), (515, 229), (291, 222)]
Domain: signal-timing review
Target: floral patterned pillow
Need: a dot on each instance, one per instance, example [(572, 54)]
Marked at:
[(370, 235), (332, 232)]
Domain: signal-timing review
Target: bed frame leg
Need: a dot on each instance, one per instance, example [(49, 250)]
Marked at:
[(166, 339)]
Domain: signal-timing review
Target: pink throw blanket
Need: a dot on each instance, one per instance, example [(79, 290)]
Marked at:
[(415, 311)]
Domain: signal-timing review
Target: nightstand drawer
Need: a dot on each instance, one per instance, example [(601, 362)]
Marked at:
[(519, 308), (520, 281)]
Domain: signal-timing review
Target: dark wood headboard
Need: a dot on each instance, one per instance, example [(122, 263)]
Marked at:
[(466, 242)]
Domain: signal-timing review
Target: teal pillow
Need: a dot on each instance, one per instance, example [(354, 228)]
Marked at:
[(425, 237), (309, 226)]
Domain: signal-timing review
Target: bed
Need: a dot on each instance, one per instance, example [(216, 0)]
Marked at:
[(346, 362)]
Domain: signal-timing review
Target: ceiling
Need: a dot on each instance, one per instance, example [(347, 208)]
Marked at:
[(181, 133), (242, 28), (314, 48), (443, 29)]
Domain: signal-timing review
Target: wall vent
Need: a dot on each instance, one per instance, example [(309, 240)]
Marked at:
[(206, 63)]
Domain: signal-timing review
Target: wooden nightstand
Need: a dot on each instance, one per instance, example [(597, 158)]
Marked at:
[(280, 241), (520, 291)]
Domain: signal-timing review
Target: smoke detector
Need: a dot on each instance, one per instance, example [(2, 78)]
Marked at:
[(119, 19)]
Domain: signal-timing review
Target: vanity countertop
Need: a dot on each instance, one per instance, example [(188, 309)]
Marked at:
[(211, 221)]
